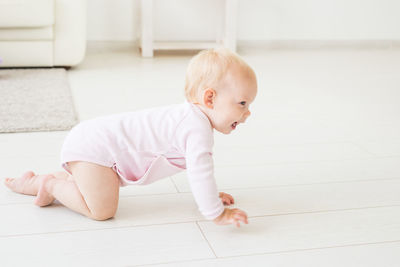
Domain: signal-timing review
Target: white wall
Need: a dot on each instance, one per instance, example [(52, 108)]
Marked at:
[(257, 19)]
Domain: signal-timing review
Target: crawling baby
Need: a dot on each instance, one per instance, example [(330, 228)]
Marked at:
[(142, 147)]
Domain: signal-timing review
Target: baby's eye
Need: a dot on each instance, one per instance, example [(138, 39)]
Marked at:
[(243, 103)]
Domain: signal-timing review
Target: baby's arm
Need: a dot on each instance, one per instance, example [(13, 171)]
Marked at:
[(197, 140), (200, 172)]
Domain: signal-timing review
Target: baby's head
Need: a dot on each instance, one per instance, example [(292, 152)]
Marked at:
[(223, 86)]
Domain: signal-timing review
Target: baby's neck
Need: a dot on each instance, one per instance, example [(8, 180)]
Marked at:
[(206, 112)]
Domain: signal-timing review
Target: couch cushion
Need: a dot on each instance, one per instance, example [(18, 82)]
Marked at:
[(26, 13), (26, 34), (27, 54)]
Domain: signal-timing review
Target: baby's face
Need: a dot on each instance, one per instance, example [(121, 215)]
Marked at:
[(231, 104)]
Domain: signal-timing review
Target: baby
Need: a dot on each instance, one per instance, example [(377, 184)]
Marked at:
[(139, 148)]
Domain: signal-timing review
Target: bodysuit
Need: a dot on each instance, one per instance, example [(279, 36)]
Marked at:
[(148, 145)]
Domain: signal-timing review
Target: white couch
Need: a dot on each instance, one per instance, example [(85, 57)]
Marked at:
[(42, 33)]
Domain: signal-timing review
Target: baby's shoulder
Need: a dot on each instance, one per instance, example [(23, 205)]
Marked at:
[(195, 128), (194, 120)]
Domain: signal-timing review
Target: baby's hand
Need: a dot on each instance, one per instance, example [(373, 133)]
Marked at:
[(231, 216), (226, 198)]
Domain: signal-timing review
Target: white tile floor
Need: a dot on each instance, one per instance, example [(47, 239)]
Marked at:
[(317, 168)]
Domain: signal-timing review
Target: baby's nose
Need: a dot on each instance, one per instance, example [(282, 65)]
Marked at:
[(246, 115)]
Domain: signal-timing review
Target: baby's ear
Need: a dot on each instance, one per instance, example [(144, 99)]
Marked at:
[(209, 96)]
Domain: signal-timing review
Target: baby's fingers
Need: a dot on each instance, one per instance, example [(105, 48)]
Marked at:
[(226, 198), (239, 212), (230, 198), (237, 223), (240, 217)]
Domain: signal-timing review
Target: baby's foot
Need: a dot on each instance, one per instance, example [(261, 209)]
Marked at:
[(23, 185), (43, 197)]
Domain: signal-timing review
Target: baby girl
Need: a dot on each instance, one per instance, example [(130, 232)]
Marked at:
[(139, 148)]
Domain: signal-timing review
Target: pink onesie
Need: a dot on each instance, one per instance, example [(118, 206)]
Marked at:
[(148, 145)]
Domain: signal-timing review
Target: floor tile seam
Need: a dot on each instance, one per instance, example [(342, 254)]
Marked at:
[(205, 238), (309, 184), (323, 248), (277, 163), (302, 162), (240, 189), (194, 221), (326, 211), (97, 229), (275, 252), (365, 149), (173, 182)]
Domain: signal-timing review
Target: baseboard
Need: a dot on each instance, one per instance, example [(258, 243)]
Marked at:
[(273, 44), (320, 44)]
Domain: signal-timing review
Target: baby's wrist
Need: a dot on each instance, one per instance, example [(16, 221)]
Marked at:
[(219, 218)]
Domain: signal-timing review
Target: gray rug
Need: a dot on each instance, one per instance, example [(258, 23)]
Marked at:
[(35, 100)]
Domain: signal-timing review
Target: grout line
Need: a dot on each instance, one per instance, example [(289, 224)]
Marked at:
[(308, 184), (370, 157), (275, 252), (318, 248), (97, 229), (244, 188), (215, 254), (194, 221), (364, 149), (325, 211), (176, 187)]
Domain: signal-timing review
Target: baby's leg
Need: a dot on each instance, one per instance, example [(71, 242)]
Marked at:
[(93, 190)]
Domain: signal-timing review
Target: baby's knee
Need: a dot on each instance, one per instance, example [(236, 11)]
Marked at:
[(102, 215)]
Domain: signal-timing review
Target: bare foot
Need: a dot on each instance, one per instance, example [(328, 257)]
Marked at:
[(23, 185), (43, 197)]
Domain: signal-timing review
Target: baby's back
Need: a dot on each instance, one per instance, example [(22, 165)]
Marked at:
[(149, 130), (131, 138)]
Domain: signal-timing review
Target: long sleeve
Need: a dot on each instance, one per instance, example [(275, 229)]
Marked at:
[(194, 138), (200, 172)]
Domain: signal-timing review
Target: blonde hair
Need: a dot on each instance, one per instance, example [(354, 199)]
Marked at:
[(208, 68)]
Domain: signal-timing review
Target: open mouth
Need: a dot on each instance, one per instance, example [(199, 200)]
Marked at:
[(233, 125)]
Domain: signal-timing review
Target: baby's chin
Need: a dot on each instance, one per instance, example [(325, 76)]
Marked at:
[(224, 131)]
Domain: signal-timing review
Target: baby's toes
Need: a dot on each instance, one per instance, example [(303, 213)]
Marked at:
[(9, 182), (28, 174)]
